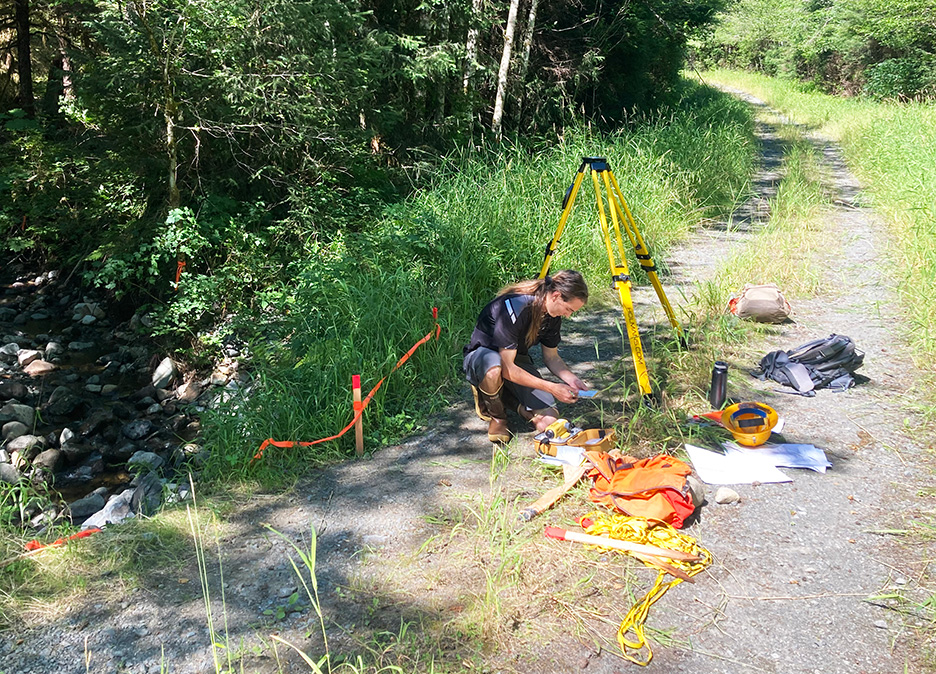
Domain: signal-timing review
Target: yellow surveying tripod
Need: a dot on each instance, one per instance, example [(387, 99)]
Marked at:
[(620, 276)]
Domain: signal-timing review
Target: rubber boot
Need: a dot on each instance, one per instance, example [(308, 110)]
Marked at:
[(491, 406), (479, 410)]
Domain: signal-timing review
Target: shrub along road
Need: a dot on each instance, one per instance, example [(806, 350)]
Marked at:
[(421, 558)]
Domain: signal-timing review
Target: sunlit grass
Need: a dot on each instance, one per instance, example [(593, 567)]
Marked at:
[(360, 300), (793, 233), (111, 563)]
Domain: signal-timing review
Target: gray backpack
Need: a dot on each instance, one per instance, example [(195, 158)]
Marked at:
[(822, 363)]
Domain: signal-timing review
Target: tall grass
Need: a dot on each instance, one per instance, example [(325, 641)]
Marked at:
[(361, 299), (791, 234), (891, 148)]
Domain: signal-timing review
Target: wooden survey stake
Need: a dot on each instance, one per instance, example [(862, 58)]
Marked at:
[(358, 422)]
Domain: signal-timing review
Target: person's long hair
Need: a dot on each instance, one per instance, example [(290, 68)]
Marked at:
[(569, 283)]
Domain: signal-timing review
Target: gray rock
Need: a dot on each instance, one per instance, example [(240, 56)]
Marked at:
[(86, 506), (117, 453), (12, 390), (726, 496), (17, 412), (88, 320), (93, 388), (138, 429), (8, 351), (9, 474), (54, 349), (14, 429), (147, 497), (696, 490), (80, 346), (65, 436), (188, 392), (99, 417), (117, 509), (50, 459), (165, 372), (108, 389), (62, 402), (145, 461), (75, 451), (24, 442), (155, 408), (26, 356), (287, 591), (83, 309)]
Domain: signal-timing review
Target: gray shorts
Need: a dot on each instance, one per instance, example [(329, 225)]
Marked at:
[(478, 362)]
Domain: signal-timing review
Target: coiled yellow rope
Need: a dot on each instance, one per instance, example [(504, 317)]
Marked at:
[(661, 535)]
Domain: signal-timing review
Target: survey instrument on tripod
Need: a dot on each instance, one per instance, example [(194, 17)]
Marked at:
[(620, 275)]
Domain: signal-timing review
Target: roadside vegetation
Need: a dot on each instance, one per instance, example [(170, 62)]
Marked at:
[(366, 298)]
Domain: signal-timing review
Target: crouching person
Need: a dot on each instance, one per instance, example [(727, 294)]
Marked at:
[(497, 361)]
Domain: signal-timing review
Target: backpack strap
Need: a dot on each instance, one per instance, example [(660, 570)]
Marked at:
[(798, 376)]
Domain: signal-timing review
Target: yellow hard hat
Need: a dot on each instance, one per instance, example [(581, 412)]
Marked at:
[(750, 423)]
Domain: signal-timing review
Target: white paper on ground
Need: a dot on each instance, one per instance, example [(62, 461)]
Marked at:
[(787, 455), (733, 467)]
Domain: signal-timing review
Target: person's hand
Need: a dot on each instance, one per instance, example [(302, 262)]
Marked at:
[(565, 393), (575, 383)]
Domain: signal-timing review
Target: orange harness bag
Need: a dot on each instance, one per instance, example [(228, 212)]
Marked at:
[(655, 488)]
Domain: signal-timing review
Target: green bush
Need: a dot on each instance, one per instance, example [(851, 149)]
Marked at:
[(900, 78)]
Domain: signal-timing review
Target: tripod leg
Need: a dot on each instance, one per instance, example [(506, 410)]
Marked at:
[(567, 202), (643, 253), (621, 282)]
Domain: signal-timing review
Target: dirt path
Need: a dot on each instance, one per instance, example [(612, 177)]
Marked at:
[(425, 535), (796, 563)]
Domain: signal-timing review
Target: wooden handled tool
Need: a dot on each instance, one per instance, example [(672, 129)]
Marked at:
[(546, 501), (627, 546)]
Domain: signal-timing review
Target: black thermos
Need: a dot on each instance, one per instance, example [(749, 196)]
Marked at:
[(719, 388)]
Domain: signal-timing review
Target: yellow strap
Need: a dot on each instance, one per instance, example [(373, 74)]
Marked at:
[(662, 535)]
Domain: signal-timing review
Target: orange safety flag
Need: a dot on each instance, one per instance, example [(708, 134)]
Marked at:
[(655, 488), (358, 407), (36, 545)]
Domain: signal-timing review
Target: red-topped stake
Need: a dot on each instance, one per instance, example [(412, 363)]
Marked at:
[(358, 408)]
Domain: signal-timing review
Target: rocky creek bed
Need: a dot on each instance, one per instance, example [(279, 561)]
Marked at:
[(91, 413)]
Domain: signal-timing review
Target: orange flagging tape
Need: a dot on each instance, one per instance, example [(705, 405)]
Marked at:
[(357, 412), (178, 272), (36, 545)]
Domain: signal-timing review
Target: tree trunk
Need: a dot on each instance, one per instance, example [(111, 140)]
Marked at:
[(172, 149), (504, 67), (23, 58), (169, 106), (61, 34), (525, 52), (471, 46)]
